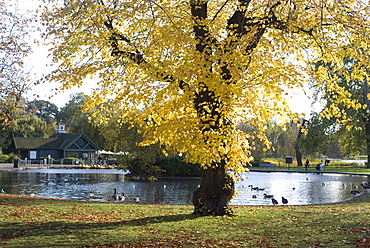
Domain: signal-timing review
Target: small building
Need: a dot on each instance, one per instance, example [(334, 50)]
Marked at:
[(59, 146)]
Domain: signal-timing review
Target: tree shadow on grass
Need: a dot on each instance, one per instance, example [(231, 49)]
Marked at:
[(78, 231)]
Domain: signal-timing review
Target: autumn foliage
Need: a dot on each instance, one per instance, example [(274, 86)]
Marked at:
[(188, 72)]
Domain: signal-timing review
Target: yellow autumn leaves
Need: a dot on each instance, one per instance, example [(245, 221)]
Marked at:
[(148, 64)]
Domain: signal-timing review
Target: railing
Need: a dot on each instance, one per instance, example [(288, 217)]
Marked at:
[(45, 163)]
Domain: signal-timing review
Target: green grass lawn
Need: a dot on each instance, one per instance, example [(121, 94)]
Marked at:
[(34, 222)]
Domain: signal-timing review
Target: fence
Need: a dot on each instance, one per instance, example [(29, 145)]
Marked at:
[(44, 163)]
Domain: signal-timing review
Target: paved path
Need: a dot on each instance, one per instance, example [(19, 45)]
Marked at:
[(7, 167), (10, 167)]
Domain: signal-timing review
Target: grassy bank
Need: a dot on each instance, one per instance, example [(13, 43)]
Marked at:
[(35, 222), (331, 168)]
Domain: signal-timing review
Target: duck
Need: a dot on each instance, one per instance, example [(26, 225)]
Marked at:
[(284, 200), (354, 186), (253, 188), (267, 196), (254, 196), (137, 199), (323, 184), (355, 192), (121, 197), (274, 201), (115, 196)]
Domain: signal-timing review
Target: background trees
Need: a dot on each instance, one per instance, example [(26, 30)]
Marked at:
[(345, 117), (14, 80)]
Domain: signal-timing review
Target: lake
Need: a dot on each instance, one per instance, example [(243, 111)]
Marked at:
[(98, 185)]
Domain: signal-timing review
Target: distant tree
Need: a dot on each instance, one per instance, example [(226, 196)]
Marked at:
[(283, 138), (72, 112), (33, 126), (322, 134), (43, 109), (118, 135), (14, 80), (347, 108)]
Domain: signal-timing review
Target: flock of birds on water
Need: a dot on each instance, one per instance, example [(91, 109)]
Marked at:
[(121, 197), (354, 191), (266, 196)]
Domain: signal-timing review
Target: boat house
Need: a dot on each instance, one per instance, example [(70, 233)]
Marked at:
[(59, 146)]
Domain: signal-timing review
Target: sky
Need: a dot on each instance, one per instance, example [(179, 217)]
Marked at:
[(38, 60)]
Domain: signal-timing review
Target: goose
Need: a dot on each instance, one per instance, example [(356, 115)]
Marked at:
[(274, 201), (267, 196), (284, 200), (121, 197), (115, 196), (365, 185), (136, 199)]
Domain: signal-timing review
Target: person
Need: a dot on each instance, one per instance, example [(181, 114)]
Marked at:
[(99, 160), (307, 164), (318, 166), (322, 165)]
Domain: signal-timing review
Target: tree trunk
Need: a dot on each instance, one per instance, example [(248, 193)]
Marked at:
[(298, 154), (215, 192), (367, 133)]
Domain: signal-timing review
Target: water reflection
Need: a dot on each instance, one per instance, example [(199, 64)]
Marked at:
[(98, 185)]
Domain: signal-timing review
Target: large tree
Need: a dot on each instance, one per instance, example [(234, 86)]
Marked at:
[(197, 68)]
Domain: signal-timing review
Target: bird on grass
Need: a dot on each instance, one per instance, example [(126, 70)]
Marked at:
[(274, 201), (2, 191), (284, 200)]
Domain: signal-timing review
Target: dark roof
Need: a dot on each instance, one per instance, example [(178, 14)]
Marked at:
[(39, 143), (70, 138), (61, 141)]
